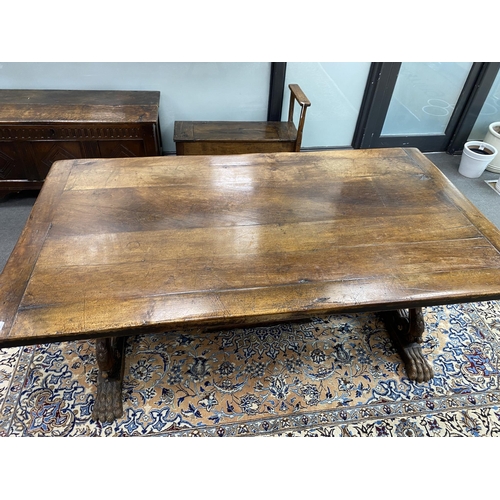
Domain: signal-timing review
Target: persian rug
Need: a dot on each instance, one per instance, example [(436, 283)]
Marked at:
[(335, 375)]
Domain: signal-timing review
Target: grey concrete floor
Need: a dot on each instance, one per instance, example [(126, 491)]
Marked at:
[(14, 212), (477, 191), (15, 208)]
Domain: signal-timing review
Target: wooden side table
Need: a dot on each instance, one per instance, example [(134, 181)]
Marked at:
[(38, 127)]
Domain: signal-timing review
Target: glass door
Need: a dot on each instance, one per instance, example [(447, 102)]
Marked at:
[(424, 98), (335, 90), (415, 104)]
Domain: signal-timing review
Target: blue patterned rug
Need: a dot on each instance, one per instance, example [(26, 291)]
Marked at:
[(333, 376)]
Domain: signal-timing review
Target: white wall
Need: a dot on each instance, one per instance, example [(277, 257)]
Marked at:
[(189, 91)]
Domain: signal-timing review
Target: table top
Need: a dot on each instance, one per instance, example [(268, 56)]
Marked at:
[(125, 246)]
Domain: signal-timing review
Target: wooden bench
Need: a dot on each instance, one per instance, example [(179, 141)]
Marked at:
[(233, 137)]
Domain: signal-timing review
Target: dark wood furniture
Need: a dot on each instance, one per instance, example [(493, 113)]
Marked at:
[(232, 137), (38, 127), (119, 247)]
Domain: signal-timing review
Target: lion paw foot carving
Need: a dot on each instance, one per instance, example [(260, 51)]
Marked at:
[(405, 329), (417, 367)]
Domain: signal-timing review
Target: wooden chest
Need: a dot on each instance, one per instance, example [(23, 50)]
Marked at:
[(38, 127)]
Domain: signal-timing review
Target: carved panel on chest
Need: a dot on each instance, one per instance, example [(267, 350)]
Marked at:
[(74, 133), (39, 127), (8, 161)]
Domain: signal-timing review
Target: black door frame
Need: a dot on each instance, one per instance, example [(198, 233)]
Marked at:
[(473, 107), (276, 91), (378, 92)]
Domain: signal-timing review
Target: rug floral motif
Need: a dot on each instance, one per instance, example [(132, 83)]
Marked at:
[(335, 375)]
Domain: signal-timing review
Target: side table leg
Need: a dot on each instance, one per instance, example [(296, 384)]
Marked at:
[(405, 329), (108, 402)]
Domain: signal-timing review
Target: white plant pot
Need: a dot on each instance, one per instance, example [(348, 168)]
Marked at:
[(493, 137), (475, 158)]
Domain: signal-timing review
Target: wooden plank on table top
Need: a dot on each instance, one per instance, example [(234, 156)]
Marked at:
[(485, 226), (253, 170), (17, 271), (211, 273), (113, 248), (96, 318), (153, 208), (359, 191)]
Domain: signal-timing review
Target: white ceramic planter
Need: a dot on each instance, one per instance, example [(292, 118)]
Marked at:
[(475, 158), (493, 137)]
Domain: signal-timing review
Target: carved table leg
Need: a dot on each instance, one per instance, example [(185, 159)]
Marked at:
[(108, 402), (405, 329)]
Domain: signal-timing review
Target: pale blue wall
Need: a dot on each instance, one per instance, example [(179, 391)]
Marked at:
[(336, 91), (189, 91)]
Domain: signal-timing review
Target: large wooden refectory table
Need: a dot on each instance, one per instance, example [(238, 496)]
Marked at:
[(119, 247)]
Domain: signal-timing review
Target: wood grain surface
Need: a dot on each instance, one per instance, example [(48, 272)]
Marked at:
[(122, 246), (215, 138), (93, 106), (243, 137)]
